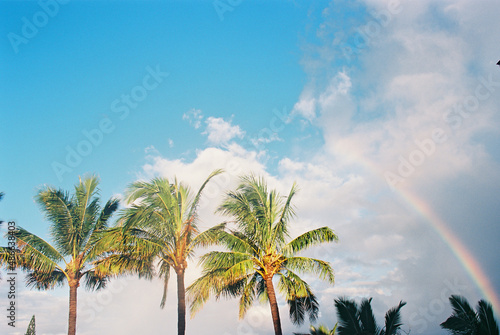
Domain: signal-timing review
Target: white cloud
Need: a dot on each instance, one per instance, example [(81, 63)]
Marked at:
[(194, 117), (370, 117), (151, 150), (383, 107), (220, 132), (306, 106)]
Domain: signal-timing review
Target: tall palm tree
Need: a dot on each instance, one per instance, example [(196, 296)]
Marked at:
[(77, 222), (465, 321), (162, 219), (354, 320), (258, 252)]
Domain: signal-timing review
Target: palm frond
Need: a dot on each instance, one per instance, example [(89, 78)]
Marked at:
[(311, 265), (487, 323), (299, 307), (366, 317), (95, 280), (463, 320), (213, 283), (209, 237), (45, 280), (238, 242), (300, 299), (38, 255), (248, 295), (11, 258), (93, 245), (393, 320), (120, 263), (287, 212), (196, 200), (310, 238), (58, 208), (165, 273), (233, 263), (347, 314)]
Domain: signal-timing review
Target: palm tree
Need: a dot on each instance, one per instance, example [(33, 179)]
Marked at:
[(258, 252), (77, 223), (321, 330), (31, 327), (360, 320), (162, 219), (464, 321)]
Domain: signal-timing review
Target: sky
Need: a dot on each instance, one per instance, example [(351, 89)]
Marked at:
[(385, 113)]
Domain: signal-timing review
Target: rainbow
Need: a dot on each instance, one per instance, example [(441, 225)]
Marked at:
[(470, 264)]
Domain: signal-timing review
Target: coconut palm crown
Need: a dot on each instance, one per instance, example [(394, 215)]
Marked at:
[(77, 222), (259, 250), (465, 321), (320, 330), (354, 320), (161, 225)]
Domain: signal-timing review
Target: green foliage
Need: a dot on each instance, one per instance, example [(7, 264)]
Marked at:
[(77, 224), (160, 224), (465, 321), (321, 330), (360, 320), (31, 327), (258, 248)]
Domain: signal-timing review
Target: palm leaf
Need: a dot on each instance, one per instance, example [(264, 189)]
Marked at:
[(347, 311), (94, 280), (165, 273), (196, 200), (310, 238), (393, 320), (287, 212), (311, 265), (45, 280), (248, 295), (366, 317), (463, 320), (257, 250), (37, 253), (58, 209), (487, 322)]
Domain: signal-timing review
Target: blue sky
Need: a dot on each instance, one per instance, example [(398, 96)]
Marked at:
[(334, 95)]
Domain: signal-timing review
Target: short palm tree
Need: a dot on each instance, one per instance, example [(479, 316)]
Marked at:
[(465, 321), (354, 320), (162, 223), (321, 330), (258, 252), (77, 222)]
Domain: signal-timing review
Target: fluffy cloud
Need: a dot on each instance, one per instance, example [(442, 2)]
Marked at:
[(409, 102), (220, 132), (378, 108)]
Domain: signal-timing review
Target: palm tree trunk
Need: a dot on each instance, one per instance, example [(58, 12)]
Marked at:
[(181, 303), (274, 306), (72, 309)]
